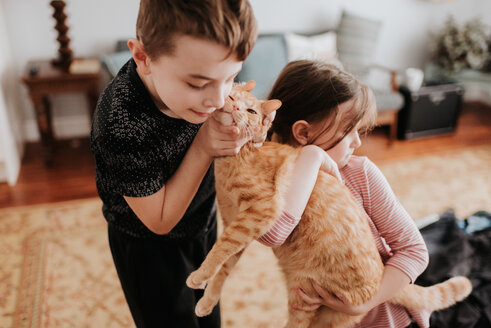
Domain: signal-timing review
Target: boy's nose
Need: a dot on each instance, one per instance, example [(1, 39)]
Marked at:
[(215, 98)]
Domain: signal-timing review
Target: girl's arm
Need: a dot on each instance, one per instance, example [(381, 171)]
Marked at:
[(409, 254), (304, 176), (393, 280), (395, 225)]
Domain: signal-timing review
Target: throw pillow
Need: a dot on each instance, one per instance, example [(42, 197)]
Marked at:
[(320, 46), (356, 37)]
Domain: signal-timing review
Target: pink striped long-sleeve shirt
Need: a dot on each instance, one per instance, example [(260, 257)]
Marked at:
[(398, 240)]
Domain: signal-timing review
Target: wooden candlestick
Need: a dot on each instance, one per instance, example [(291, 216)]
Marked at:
[(64, 52)]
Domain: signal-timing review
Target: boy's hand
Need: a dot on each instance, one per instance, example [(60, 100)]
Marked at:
[(218, 140)]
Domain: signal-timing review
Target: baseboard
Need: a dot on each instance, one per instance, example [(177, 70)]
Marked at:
[(63, 128), (474, 92)]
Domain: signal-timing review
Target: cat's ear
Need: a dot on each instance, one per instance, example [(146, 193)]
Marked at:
[(270, 106), (248, 87)]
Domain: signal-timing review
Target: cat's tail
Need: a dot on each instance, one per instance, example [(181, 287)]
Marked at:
[(436, 297)]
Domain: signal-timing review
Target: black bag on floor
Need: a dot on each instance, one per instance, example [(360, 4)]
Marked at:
[(459, 247)]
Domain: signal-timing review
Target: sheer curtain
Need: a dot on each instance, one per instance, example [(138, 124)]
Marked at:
[(11, 144)]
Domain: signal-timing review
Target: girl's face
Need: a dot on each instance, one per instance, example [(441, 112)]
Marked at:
[(342, 151)]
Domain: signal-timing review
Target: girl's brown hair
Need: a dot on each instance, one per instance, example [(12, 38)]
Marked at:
[(230, 23), (312, 91)]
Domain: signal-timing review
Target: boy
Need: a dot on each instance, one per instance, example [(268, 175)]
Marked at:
[(154, 144)]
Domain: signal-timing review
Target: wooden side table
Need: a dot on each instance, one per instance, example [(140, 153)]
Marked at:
[(43, 79), (389, 117)]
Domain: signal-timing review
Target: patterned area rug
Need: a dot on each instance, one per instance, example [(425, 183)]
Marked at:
[(56, 269)]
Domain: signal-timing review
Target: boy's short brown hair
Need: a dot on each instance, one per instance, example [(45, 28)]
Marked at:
[(227, 22)]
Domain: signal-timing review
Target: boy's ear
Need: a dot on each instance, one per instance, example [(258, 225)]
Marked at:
[(270, 106), (139, 56), (300, 132)]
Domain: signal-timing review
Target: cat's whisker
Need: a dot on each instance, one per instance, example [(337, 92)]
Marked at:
[(250, 131), (246, 131)]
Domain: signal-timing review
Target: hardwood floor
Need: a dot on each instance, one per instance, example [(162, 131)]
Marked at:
[(70, 177), (72, 174), (473, 129)]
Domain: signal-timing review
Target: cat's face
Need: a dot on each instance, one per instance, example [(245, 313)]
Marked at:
[(247, 112)]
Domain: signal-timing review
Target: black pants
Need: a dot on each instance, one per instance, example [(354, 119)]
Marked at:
[(153, 277)]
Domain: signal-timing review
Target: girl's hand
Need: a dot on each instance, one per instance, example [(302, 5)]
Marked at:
[(328, 164), (335, 302)]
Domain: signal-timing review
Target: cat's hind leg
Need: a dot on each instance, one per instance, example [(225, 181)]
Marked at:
[(327, 318), (298, 318), (213, 291)]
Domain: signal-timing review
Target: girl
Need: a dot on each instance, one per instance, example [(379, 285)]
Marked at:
[(326, 107)]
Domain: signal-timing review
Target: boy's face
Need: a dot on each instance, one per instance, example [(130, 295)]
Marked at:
[(193, 81)]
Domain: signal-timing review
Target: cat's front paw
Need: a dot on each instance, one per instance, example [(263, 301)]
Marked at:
[(195, 282), (204, 307)]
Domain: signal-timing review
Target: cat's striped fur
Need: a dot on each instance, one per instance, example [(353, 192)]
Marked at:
[(332, 244)]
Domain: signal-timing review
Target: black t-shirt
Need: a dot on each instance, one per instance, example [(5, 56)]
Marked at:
[(137, 148)]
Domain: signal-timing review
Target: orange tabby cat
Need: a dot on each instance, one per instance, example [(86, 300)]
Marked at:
[(332, 244)]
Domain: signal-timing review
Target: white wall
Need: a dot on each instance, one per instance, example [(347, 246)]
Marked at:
[(405, 23), (95, 25)]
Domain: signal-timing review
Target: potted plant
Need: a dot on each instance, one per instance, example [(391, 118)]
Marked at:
[(456, 47)]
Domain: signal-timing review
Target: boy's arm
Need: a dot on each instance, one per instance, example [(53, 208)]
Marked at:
[(304, 176), (161, 211)]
